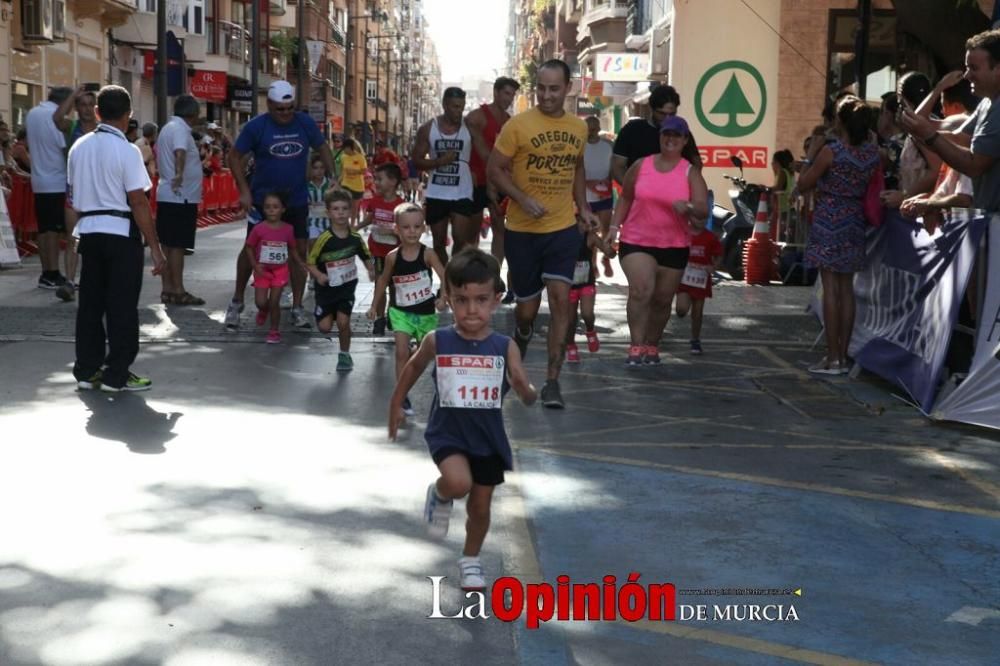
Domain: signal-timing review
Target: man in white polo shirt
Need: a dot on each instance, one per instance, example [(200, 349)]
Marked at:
[(107, 190), (46, 125), (177, 197)]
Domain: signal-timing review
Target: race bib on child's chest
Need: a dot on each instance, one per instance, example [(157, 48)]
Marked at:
[(273, 252), (384, 227), (317, 211), (695, 275), (581, 274), (341, 271), (412, 289), (467, 381)]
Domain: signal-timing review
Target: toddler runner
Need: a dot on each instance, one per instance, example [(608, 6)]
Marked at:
[(378, 212), (473, 369), (696, 283), (412, 302), (268, 247), (332, 264), (582, 295)]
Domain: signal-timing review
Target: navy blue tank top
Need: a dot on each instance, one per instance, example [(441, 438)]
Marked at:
[(411, 289), (470, 381)]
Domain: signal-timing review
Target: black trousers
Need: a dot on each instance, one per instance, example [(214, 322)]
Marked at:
[(110, 282)]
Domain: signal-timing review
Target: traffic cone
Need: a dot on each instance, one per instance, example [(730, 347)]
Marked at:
[(760, 251)]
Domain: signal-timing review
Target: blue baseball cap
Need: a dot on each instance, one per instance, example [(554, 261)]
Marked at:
[(674, 124)]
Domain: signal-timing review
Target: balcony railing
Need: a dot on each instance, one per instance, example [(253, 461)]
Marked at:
[(234, 41)]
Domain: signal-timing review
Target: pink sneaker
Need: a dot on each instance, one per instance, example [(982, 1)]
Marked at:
[(651, 355), (572, 354), (273, 338), (593, 344), (261, 317)]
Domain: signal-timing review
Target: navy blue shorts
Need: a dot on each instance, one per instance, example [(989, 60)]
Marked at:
[(535, 258), (603, 204)]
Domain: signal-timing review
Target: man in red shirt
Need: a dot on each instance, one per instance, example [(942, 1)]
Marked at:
[(484, 126)]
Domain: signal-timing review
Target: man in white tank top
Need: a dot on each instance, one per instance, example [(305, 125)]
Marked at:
[(443, 148)]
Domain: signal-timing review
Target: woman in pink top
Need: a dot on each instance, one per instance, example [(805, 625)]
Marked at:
[(664, 199)]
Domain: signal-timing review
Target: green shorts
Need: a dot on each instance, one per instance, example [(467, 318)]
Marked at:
[(414, 325)]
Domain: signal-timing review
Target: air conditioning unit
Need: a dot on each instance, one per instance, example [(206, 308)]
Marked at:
[(36, 21), (59, 20), (659, 51)]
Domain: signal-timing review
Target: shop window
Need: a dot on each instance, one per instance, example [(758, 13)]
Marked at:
[(336, 76), (880, 67)]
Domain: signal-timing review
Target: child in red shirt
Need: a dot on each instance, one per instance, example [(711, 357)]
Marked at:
[(696, 283), (377, 212)]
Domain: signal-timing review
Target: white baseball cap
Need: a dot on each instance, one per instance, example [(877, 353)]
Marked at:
[(214, 126), (281, 91)]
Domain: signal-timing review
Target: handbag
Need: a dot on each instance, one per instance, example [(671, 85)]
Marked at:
[(874, 211)]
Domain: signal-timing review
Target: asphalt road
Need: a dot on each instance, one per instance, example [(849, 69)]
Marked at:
[(250, 510)]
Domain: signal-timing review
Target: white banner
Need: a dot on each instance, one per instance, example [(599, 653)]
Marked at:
[(975, 399), (315, 53), (8, 244)]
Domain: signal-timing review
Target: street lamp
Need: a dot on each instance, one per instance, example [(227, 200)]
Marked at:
[(378, 75)]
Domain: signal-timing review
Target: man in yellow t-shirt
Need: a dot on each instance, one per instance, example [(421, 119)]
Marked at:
[(537, 161)]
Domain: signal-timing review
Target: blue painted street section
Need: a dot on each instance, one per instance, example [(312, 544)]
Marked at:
[(879, 579)]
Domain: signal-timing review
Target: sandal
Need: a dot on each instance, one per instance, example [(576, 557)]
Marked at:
[(167, 298), (187, 298)]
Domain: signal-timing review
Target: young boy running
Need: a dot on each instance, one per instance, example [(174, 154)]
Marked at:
[(318, 220), (696, 283), (473, 369), (332, 264), (378, 212), (412, 302)]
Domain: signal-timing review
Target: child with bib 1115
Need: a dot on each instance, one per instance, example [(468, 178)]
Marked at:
[(696, 282), (333, 265), (408, 273), (269, 247), (473, 369)]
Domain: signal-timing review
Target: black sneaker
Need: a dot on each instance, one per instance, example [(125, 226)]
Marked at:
[(551, 396), (522, 343), (46, 282), (378, 328), (133, 383)]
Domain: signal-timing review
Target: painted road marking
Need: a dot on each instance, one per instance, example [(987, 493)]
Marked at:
[(781, 483), (973, 615)]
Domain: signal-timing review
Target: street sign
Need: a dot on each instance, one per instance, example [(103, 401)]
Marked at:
[(241, 98), (724, 116), (621, 66), (209, 86)]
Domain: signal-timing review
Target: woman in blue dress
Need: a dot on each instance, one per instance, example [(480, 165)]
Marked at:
[(839, 170)]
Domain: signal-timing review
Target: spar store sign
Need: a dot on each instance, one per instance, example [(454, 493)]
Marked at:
[(730, 101), (209, 86)]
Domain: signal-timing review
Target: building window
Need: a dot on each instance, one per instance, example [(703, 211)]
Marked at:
[(210, 29), (336, 80), (371, 91), (194, 17)]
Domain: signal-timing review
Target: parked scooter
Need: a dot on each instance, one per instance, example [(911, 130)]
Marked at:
[(738, 227)]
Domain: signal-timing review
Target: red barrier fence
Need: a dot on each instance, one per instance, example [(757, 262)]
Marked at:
[(220, 203)]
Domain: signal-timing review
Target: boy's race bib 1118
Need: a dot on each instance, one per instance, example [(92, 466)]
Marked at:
[(413, 288), (341, 271), (467, 381), (273, 252)]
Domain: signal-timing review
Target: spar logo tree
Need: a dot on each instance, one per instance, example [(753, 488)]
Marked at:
[(733, 101)]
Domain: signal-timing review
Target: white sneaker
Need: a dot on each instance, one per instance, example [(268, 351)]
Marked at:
[(233, 315), (437, 513), (299, 319), (470, 570), (286, 299)]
